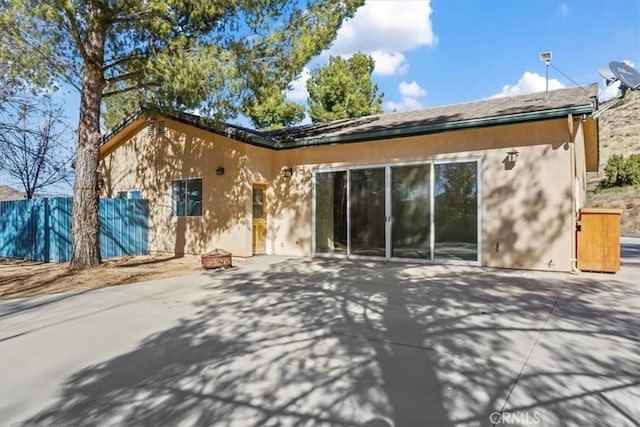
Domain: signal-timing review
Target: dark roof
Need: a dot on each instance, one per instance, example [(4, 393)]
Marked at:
[(490, 112), (480, 110)]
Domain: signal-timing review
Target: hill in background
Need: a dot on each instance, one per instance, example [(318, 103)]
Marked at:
[(10, 193), (619, 134)]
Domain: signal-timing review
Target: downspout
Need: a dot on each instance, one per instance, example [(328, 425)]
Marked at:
[(574, 215)]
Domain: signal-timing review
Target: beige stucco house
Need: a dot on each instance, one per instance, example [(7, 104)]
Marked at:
[(494, 183)]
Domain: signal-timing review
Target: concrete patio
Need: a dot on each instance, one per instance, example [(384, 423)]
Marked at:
[(329, 342)]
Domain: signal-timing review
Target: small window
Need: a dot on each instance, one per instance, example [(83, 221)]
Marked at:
[(187, 197), (129, 194), (258, 203)]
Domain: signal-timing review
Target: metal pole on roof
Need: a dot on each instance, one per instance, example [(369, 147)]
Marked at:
[(547, 82), (546, 57)]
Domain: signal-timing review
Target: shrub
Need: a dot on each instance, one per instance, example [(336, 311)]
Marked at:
[(620, 171), (633, 169)]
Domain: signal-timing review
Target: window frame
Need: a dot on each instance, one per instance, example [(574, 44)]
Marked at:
[(478, 159), (184, 183), (129, 193)]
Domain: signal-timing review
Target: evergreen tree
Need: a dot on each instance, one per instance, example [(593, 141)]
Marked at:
[(206, 54), (343, 89), (271, 110)]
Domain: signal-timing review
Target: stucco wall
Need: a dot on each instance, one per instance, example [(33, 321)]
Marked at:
[(150, 163), (526, 208)]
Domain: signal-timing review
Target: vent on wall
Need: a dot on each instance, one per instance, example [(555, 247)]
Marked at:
[(155, 128)]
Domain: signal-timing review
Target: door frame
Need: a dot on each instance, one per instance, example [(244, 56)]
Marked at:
[(388, 213), (263, 186)]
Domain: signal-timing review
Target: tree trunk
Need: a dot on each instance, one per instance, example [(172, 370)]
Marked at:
[(85, 225)]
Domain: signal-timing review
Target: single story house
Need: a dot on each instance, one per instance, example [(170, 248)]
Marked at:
[(494, 183)]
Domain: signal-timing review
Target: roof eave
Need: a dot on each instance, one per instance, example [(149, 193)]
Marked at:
[(264, 142), (440, 127)]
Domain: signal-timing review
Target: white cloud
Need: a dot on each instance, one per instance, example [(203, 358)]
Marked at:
[(406, 104), (410, 93), (298, 88), (563, 9), (385, 29), (412, 90), (386, 25), (609, 92), (388, 64), (528, 83)]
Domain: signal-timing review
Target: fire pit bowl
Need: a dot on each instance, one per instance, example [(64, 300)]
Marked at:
[(217, 258)]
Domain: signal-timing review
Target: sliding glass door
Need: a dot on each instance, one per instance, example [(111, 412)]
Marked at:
[(456, 211), (331, 213), (411, 211), (426, 211), (367, 224)]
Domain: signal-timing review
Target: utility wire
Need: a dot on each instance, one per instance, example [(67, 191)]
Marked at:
[(573, 81)]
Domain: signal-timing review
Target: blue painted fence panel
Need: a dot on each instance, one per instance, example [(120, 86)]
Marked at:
[(40, 229)]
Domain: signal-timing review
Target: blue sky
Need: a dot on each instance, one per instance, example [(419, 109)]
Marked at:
[(438, 52)]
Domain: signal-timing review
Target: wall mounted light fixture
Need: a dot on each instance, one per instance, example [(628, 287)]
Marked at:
[(287, 172), (220, 170), (512, 155)]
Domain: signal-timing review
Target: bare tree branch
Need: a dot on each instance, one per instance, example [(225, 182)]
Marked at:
[(32, 144)]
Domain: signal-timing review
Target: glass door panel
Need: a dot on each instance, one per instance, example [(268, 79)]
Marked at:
[(456, 211), (367, 212), (331, 212), (411, 211)]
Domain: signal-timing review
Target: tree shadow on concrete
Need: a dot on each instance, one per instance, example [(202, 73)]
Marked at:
[(330, 342)]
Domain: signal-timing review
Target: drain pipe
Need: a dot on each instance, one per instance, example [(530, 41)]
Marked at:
[(574, 194)]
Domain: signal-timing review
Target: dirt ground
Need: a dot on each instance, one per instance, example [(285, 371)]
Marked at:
[(20, 278), (627, 198)]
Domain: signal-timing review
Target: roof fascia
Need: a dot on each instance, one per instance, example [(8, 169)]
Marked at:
[(264, 142), (440, 127)]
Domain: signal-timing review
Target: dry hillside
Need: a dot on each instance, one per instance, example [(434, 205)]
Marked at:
[(10, 193), (619, 134)]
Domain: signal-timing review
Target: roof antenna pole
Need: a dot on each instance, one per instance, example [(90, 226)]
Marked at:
[(547, 82), (546, 57)]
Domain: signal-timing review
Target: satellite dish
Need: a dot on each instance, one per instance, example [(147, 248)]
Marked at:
[(627, 75), (607, 75), (629, 78)]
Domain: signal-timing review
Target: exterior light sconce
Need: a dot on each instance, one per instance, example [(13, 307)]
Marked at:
[(512, 156), (220, 170), (287, 172)]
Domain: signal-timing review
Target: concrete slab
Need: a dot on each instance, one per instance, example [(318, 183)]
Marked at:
[(325, 342), (630, 250), (589, 347)]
